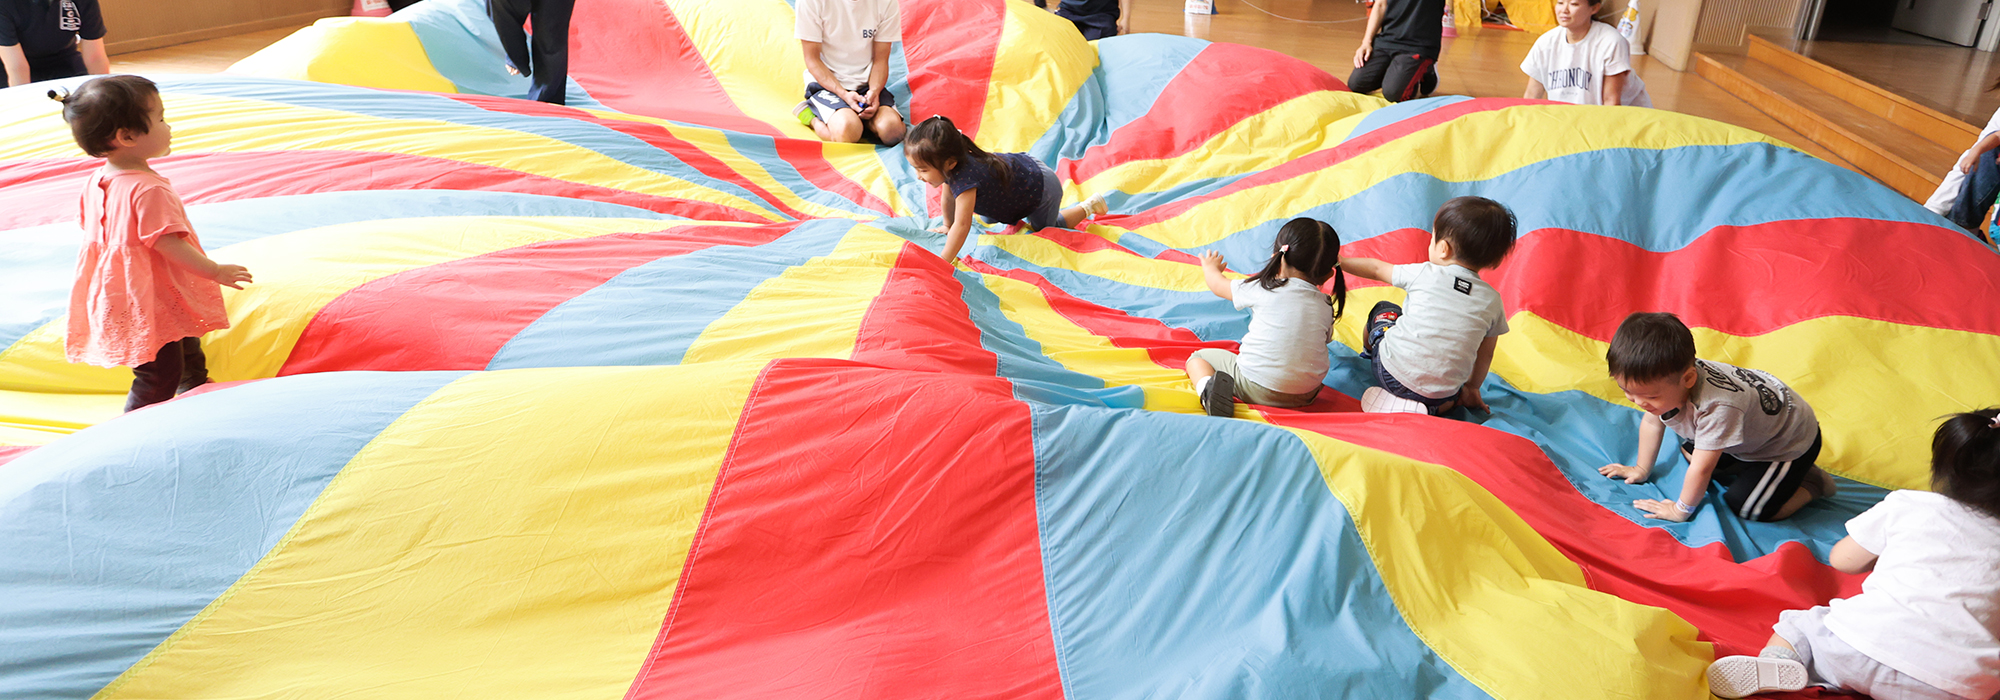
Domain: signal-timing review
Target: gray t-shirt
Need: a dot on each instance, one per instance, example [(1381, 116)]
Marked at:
[(1448, 313), (1744, 413), (1285, 350)]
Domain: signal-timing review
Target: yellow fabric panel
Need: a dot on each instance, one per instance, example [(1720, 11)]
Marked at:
[(1038, 66), (811, 310), (1878, 410), (1113, 265), (1493, 598), (1511, 140), (360, 51), (1081, 351), (519, 534), (1287, 132), (749, 44), (204, 124), (38, 418)]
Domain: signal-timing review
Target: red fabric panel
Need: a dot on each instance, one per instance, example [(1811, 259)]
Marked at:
[(220, 177), (1841, 272), (803, 155), (872, 534), (657, 72), (920, 322), (1732, 604), (1224, 85), (393, 323), (949, 47), (9, 453), (1319, 160)]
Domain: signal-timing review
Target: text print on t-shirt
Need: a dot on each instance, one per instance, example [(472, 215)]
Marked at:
[(71, 19), (1767, 398), (868, 34), (1567, 78)]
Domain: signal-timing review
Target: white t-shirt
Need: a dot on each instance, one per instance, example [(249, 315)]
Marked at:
[(1946, 195), (1448, 313), (1574, 73), (847, 31), (1931, 609), (1285, 350)]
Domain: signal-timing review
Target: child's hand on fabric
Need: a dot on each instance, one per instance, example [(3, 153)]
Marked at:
[(1469, 397), (1659, 509), (1631, 475), (1361, 54), (940, 228), (1211, 260), (232, 276)]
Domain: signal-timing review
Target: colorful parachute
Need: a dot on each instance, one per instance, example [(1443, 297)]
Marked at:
[(655, 396)]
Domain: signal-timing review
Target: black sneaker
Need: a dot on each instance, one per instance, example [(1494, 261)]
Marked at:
[(1219, 399)]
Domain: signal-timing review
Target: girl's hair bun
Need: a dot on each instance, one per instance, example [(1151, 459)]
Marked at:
[(63, 97)]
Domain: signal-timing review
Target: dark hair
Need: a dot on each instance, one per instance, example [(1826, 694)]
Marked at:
[(936, 141), (1481, 231), (1311, 247), (1650, 346), (1965, 460), (101, 107)]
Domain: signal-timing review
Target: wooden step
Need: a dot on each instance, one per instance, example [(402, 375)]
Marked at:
[(1893, 155), (1938, 127)]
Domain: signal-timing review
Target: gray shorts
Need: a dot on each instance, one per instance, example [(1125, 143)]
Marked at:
[(1049, 214), (1224, 361), (1831, 663)]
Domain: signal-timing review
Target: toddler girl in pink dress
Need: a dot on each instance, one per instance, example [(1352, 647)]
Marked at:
[(145, 291)]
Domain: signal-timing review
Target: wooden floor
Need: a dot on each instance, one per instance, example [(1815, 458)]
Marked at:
[(1324, 33), (1949, 79)]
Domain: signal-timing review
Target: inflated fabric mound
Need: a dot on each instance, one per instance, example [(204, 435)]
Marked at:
[(656, 396)]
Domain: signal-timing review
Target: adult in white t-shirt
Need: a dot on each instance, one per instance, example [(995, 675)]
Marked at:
[(1971, 184), (847, 45), (1583, 61)]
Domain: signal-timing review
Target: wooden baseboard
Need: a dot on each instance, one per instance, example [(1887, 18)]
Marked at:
[(1931, 124), (1866, 157), (153, 42)]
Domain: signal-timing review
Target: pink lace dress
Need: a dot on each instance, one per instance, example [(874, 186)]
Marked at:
[(129, 300)]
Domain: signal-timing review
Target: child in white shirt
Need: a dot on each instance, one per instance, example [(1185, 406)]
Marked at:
[(1583, 61), (1927, 621), (1283, 359), (1432, 356)]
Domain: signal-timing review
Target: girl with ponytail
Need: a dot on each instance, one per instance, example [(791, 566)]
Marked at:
[(1283, 358), (1007, 188)]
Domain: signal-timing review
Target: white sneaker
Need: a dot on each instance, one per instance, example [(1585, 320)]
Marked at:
[(1378, 400), (1094, 205), (1738, 676)]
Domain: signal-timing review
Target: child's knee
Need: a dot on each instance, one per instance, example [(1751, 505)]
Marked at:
[(845, 126)]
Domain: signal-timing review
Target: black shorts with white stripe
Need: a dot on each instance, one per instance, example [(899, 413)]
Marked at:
[(1758, 490)]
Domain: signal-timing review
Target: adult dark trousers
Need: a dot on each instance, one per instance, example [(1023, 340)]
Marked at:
[(1981, 186), (1399, 74), (178, 367), (544, 57)]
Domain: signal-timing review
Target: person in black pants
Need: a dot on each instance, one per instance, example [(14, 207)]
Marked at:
[(1096, 19), (1399, 50), (179, 368), (51, 39), (549, 71)]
